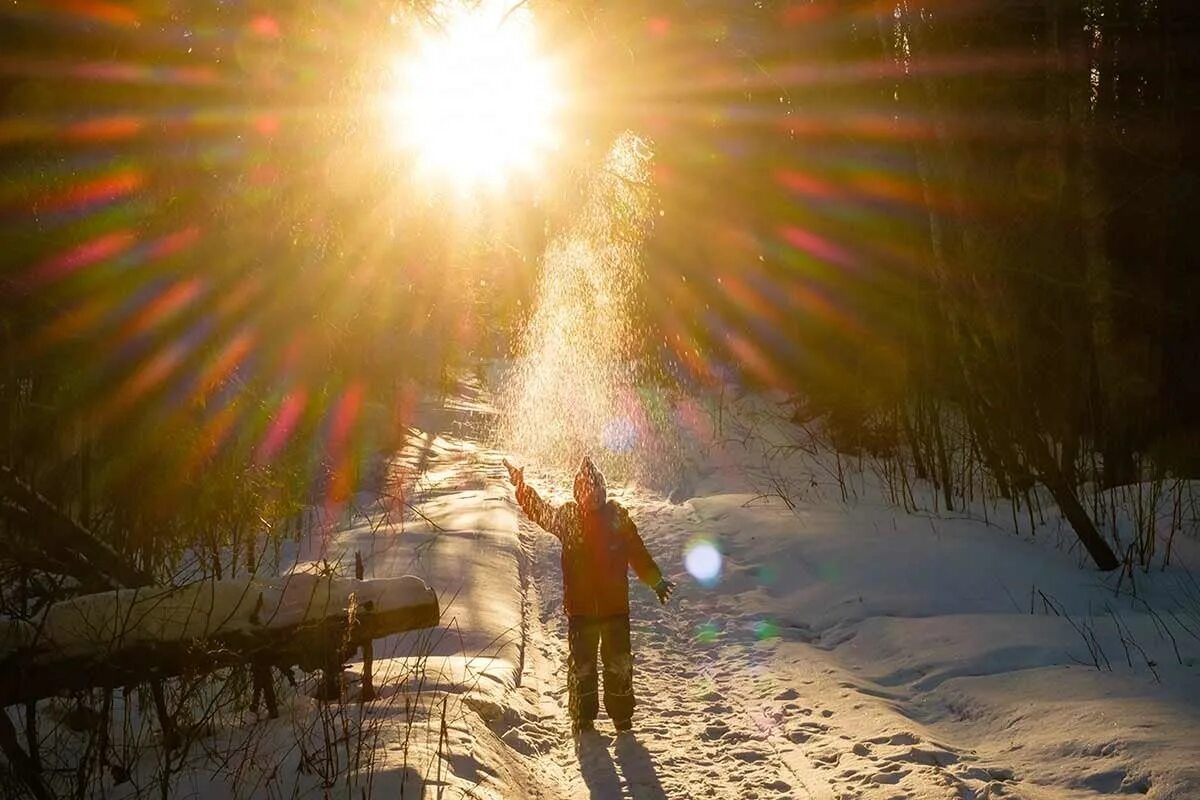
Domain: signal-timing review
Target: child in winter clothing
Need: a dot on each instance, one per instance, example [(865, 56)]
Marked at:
[(599, 545)]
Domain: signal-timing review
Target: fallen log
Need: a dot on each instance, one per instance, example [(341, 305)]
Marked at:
[(132, 636)]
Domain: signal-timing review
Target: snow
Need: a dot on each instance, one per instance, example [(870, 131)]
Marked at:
[(833, 649), (847, 650), (128, 617)]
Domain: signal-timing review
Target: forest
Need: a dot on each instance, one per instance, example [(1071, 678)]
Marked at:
[(951, 236)]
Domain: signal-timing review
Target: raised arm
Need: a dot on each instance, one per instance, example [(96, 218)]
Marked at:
[(541, 512)]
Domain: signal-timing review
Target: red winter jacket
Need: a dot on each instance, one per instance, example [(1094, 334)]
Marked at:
[(598, 548)]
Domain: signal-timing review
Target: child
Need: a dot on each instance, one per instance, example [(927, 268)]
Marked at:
[(599, 545)]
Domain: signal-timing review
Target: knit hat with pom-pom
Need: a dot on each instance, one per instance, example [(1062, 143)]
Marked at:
[(590, 491)]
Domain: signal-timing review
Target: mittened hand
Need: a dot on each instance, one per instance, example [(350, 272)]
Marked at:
[(516, 475), (663, 589)]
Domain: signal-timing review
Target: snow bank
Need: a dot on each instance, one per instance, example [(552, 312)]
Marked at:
[(1034, 678)]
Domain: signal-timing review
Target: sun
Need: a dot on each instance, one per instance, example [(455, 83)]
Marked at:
[(474, 101)]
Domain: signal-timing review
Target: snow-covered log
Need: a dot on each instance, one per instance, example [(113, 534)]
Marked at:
[(128, 636)]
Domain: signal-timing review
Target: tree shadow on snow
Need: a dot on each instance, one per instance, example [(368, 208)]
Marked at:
[(398, 783)]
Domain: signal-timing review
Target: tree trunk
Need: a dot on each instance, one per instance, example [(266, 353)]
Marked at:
[(20, 762), (1064, 494), (30, 674), (49, 530)]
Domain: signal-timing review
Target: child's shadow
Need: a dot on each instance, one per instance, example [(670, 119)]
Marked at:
[(637, 768)]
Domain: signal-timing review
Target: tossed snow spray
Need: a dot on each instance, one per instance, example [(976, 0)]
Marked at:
[(574, 388)]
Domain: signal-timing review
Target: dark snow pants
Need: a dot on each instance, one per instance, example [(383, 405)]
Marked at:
[(611, 635)]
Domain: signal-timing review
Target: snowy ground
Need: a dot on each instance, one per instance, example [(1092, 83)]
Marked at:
[(845, 650), (851, 653)]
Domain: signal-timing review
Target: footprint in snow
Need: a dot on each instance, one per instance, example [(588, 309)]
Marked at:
[(813, 727), (827, 758), (929, 756), (896, 738), (749, 756), (889, 777)]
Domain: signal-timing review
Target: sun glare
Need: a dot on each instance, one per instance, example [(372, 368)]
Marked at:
[(474, 100)]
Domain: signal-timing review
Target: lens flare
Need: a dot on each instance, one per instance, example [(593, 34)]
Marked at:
[(767, 574), (765, 629), (475, 101), (703, 561), (707, 632)]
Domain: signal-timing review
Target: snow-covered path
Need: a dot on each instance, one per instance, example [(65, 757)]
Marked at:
[(740, 714), (840, 660), (843, 650), (846, 651), (695, 735)]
